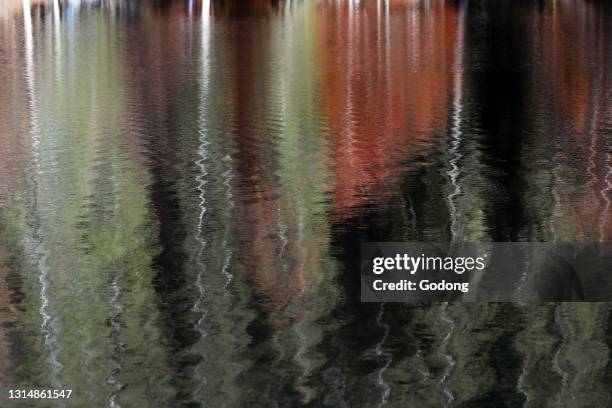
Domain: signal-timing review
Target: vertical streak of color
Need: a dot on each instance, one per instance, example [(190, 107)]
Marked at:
[(201, 182), (46, 326), (454, 173)]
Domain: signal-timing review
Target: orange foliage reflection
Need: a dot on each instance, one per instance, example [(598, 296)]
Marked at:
[(385, 82), (578, 74)]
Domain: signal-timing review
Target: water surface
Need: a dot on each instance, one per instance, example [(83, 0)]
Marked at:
[(184, 186)]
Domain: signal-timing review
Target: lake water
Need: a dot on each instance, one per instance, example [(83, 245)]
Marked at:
[(184, 187)]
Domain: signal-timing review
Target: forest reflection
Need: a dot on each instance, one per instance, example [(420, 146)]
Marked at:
[(184, 186)]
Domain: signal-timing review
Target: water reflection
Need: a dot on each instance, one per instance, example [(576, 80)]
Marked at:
[(386, 78), (184, 186)]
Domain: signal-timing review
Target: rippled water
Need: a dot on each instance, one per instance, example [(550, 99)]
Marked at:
[(184, 186)]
